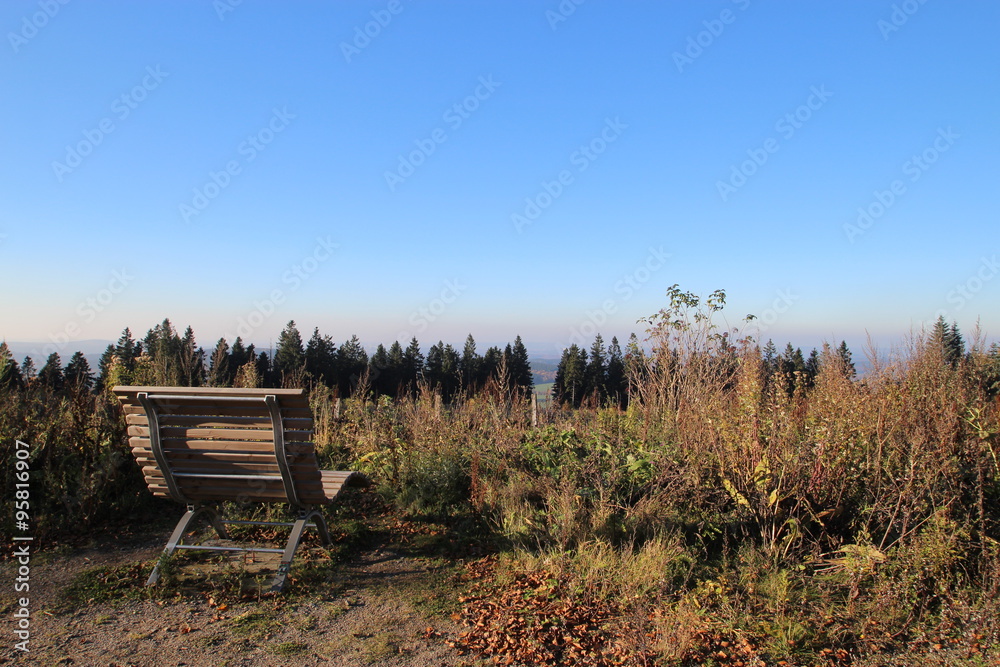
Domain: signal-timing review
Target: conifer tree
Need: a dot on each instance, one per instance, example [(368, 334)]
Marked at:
[(489, 369), (520, 367), (104, 366), (218, 365), (126, 350), (844, 353), (617, 382), (413, 364), (571, 376), (51, 374), (469, 365), (596, 377), (191, 360), (78, 376), (28, 371), (394, 370), (352, 361), (10, 373), (290, 357), (377, 366), (321, 359), (238, 356)]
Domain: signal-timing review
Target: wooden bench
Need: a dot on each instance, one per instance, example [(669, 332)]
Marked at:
[(201, 446)]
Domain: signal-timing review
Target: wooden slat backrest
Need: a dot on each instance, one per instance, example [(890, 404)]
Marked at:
[(219, 443)]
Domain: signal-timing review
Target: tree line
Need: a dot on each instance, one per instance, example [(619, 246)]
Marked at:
[(604, 375), (165, 357)]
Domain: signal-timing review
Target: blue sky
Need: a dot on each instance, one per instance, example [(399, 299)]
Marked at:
[(536, 168)]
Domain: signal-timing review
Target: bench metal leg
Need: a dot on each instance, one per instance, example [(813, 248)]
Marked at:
[(182, 526), (293, 544)]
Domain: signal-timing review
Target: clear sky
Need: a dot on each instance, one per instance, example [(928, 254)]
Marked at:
[(404, 167)]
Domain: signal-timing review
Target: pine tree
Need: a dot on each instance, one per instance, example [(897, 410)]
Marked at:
[(844, 354), (954, 346), (264, 369), (595, 382), (126, 350), (10, 373), (51, 374), (78, 376), (28, 371), (770, 356), (520, 367), (812, 367), (451, 374), (377, 366), (395, 368), (489, 369), (104, 366), (413, 364), (191, 360), (469, 365), (352, 362), (238, 356), (617, 382), (321, 359), (290, 357), (571, 376), (218, 365)]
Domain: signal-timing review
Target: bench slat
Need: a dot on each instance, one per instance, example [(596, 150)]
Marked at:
[(219, 421), (228, 411)]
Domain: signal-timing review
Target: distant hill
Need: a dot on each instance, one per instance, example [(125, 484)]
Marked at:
[(543, 371)]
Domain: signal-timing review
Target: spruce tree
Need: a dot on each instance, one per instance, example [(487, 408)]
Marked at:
[(126, 350), (377, 366), (104, 366), (51, 374), (571, 376), (413, 364), (191, 360), (469, 365), (321, 359), (290, 357), (595, 383), (78, 376), (218, 365), (520, 367), (352, 362), (10, 373), (616, 382), (844, 353), (28, 371)]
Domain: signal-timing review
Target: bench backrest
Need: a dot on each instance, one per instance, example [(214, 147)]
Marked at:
[(210, 444)]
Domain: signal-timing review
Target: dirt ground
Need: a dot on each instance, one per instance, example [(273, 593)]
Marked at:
[(381, 604)]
